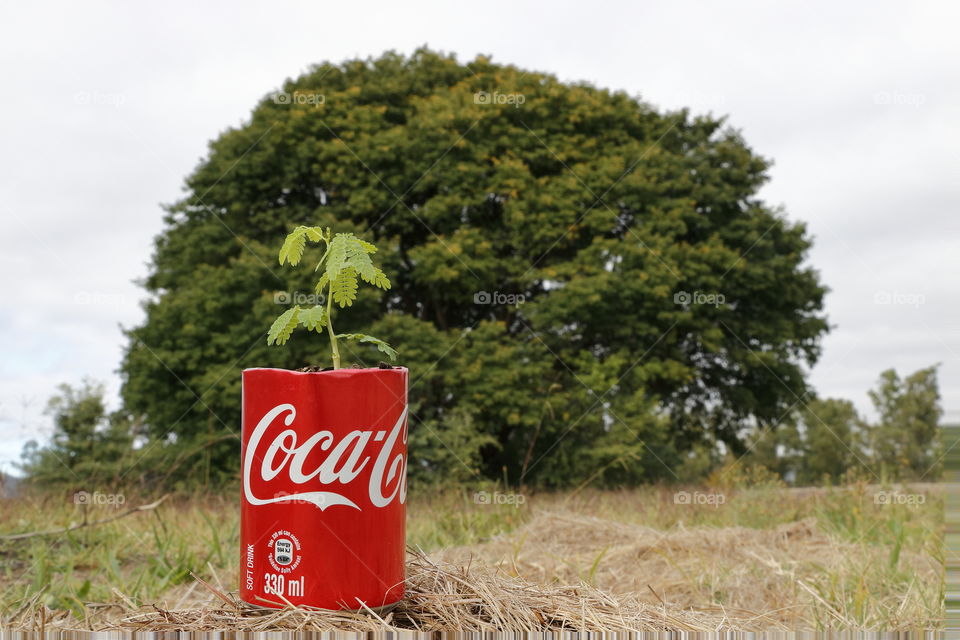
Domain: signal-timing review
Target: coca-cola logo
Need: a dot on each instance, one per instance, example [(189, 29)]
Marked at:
[(346, 459)]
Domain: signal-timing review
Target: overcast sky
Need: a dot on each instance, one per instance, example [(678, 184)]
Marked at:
[(106, 107)]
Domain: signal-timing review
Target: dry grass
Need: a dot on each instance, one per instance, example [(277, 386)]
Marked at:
[(756, 578), (440, 597), (767, 559)]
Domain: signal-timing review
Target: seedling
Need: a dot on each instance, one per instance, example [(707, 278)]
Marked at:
[(346, 258)]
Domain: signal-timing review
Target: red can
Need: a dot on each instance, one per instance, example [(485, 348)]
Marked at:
[(322, 509)]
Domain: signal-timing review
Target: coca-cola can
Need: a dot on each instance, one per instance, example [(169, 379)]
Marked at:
[(322, 509)]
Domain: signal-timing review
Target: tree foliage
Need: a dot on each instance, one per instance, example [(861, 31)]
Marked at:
[(906, 439), (89, 446), (822, 442), (828, 440), (664, 305)]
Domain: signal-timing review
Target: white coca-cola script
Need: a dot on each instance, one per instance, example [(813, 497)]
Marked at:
[(344, 462)]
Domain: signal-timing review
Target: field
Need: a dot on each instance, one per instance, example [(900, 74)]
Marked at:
[(750, 558)]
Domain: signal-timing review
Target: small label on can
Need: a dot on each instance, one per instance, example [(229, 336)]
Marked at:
[(284, 551)]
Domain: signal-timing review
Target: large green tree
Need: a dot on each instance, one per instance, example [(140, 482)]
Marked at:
[(664, 304)]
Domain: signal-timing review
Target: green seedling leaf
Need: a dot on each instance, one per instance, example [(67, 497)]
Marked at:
[(314, 318), (382, 346), (344, 264), (292, 249), (283, 326), (322, 283), (344, 287)]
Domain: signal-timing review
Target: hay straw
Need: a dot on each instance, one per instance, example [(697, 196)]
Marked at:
[(440, 597)]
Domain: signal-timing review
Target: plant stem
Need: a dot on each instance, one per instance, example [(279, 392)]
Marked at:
[(322, 258), (335, 352)]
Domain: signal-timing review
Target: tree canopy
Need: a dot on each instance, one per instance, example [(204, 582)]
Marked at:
[(583, 287)]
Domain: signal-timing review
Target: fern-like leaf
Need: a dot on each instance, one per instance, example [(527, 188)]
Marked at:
[(358, 257), (292, 249), (364, 267), (283, 326), (381, 280), (345, 262), (314, 318), (382, 346), (322, 283), (344, 287), (354, 246), (337, 256)]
